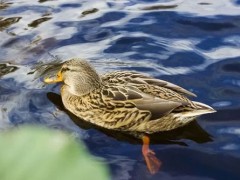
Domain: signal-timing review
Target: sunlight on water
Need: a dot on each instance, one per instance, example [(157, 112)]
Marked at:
[(194, 44)]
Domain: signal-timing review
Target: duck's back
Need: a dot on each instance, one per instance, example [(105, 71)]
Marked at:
[(185, 112)]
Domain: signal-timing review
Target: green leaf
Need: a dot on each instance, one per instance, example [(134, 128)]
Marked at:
[(32, 153)]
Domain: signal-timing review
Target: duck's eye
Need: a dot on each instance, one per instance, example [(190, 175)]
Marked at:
[(65, 69)]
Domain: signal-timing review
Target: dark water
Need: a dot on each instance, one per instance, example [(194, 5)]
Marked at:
[(195, 44)]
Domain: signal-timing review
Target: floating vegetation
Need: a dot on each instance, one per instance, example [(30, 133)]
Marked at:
[(5, 23), (4, 5), (36, 22), (42, 1), (89, 11), (6, 69), (204, 3), (157, 7)]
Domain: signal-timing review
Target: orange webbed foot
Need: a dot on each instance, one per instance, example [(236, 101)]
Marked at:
[(152, 161)]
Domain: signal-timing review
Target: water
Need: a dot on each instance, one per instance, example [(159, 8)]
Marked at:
[(194, 44)]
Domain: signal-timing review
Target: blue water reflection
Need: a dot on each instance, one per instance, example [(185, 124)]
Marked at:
[(194, 44)]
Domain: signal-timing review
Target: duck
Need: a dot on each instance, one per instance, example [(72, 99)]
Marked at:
[(126, 101)]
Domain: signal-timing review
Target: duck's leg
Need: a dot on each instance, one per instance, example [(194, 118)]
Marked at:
[(152, 161)]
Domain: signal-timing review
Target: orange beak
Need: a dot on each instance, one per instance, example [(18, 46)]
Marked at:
[(58, 78)]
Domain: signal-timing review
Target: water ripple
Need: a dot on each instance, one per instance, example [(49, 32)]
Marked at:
[(194, 44)]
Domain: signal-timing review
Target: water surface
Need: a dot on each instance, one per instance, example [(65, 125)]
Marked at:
[(194, 44)]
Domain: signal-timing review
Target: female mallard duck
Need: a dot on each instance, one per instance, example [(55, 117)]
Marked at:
[(126, 101)]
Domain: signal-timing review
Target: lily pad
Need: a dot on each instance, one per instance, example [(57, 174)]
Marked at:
[(31, 153)]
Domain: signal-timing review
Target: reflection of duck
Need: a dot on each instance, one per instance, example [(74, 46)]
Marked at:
[(127, 102)]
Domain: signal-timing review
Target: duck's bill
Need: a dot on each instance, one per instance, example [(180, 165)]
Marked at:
[(56, 79)]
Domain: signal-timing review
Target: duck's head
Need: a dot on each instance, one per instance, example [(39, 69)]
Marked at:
[(78, 76)]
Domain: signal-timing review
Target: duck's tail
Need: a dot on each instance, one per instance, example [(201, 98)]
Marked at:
[(199, 110)]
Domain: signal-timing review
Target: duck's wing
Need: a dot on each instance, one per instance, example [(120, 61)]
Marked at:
[(132, 99), (123, 77)]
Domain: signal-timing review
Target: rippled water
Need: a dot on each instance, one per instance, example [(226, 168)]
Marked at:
[(195, 44)]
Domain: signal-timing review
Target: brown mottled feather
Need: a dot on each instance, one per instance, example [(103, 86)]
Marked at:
[(137, 78), (126, 101)]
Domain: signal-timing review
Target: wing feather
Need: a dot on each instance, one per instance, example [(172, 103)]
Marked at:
[(143, 102), (123, 77)]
